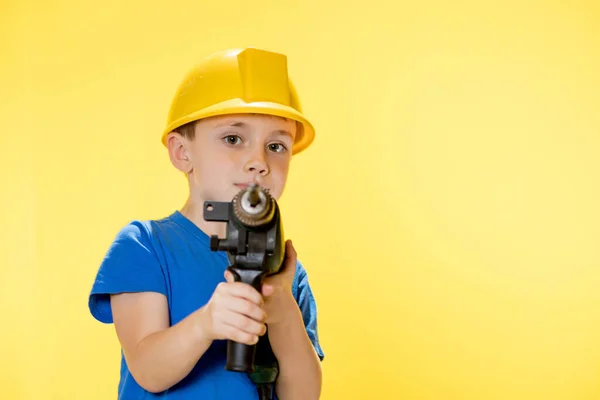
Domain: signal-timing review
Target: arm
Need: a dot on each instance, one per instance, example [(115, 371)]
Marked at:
[(300, 375), (130, 291), (290, 322), (159, 356)]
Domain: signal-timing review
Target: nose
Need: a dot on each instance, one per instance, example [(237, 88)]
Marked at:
[(257, 163)]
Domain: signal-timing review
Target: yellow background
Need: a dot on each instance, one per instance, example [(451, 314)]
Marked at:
[(448, 212)]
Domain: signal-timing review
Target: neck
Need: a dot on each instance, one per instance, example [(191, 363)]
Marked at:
[(195, 212)]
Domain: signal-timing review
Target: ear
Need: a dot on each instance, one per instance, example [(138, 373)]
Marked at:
[(178, 152)]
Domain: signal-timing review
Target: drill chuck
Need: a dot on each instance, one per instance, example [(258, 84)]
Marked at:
[(253, 198), (254, 206)]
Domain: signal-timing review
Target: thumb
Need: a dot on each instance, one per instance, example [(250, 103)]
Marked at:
[(267, 289), (228, 276), (290, 252), (290, 257)]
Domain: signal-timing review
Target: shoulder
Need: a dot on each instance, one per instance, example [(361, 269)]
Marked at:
[(141, 230), (134, 232), (138, 234), (139, 244)]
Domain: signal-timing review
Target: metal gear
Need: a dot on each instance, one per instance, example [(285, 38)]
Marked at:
[(249, 219)]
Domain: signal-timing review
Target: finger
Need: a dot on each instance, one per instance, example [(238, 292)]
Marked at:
[(228, 276), (232, 333), (267, 290), (243, 290), (290, 258), (244, 324), (290, 253), (290, 250), (241, 306)]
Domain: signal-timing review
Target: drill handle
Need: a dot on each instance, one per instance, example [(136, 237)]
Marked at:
[(240, 356)]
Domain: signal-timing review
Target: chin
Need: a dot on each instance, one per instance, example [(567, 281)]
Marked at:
[(220, 195)]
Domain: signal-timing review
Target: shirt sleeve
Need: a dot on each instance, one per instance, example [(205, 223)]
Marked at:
[(130, 265), (308, 307)]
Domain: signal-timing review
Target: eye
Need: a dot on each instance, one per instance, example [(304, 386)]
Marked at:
[(277, 147), (232, 139)]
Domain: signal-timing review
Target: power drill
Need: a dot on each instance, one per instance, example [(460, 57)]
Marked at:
[(255, 249)]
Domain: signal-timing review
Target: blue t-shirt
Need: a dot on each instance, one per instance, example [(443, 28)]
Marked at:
[(172, 256)]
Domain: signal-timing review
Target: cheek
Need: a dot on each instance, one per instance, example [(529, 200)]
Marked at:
[(280, 164), (217, 173), (279, 170), (211, 161)]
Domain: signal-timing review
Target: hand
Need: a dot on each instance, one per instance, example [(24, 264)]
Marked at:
[(277, 289), (234, 312)]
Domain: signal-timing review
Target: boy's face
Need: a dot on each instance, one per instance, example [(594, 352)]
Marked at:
[(231, 151)]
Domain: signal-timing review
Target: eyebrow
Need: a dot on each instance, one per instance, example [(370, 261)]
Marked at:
[(234, 124), (238, 124), (283, 132)]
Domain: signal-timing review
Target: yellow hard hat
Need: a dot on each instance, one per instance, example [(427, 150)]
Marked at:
[(234, 81)]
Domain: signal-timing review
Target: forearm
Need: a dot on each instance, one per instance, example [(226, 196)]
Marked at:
[(299, 365), (163, 358)]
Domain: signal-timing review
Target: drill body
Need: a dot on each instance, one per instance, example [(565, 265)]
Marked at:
[(255, 248)]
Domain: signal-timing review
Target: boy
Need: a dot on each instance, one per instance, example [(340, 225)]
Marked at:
[(234, 120)]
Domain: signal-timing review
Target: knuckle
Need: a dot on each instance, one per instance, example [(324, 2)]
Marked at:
[(220, 287)]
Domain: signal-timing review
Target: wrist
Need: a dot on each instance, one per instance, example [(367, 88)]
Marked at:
[(289, 313), (200, 327)]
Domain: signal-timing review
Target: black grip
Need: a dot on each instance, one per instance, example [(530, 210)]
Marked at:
[(240, 356)]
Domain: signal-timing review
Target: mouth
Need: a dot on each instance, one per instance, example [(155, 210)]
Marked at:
[(245, 185)]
